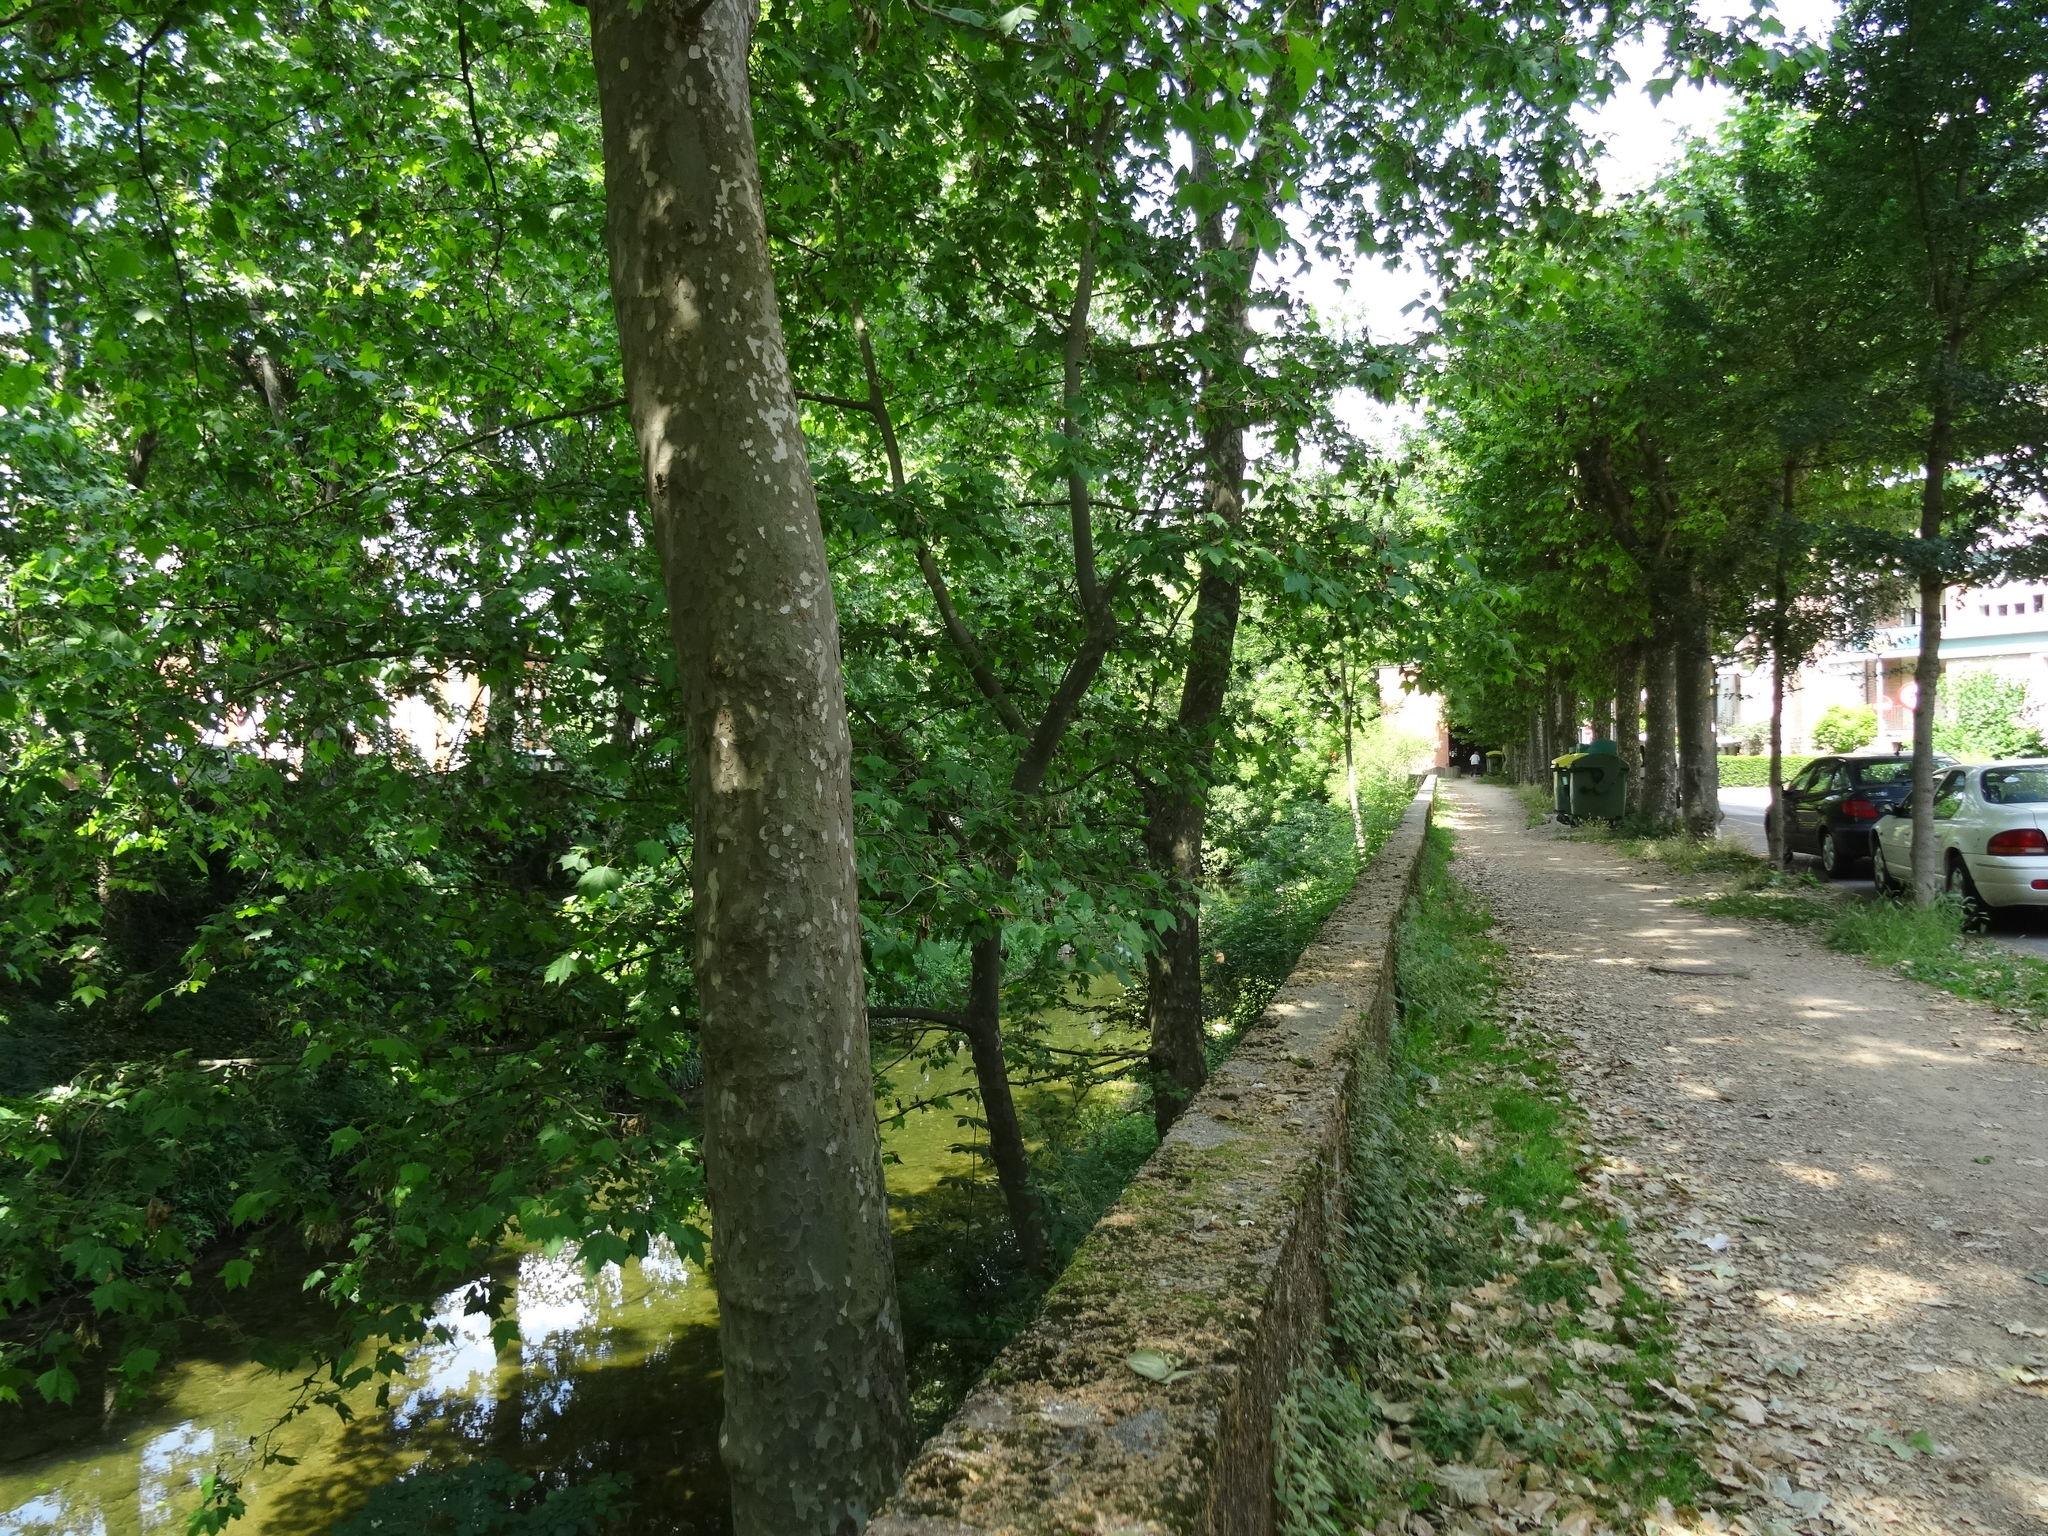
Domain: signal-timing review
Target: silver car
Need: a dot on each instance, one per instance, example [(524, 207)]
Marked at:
[(1990, 832)]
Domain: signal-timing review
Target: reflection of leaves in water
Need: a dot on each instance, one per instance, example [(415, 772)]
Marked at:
[(488, 1499)]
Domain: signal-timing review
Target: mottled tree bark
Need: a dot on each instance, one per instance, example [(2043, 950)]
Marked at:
[(1699, 770), (1927, 871), (1628, 723), (1564, 729), (1660, 732), (815, 1414)]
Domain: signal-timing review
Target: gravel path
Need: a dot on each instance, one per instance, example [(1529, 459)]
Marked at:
[(1840, 1180)]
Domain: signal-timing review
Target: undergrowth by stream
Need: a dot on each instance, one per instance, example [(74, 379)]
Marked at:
[(1287, 873)]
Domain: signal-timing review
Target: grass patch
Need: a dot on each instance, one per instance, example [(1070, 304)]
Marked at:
[(1929, 944), (1764, 905), (1698, 855), (1926, 944), (1490, 1346), (1538, 802)]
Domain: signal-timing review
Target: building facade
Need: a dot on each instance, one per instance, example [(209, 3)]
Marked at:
[(2002, 629)]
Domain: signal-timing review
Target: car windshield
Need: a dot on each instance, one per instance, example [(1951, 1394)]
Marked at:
[(1888, 770), (2016, 786)]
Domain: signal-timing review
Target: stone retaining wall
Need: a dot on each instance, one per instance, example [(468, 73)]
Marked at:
[(1140, 1402)]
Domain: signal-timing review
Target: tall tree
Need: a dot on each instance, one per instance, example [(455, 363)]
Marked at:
[(815, 1409), (1930, 146)]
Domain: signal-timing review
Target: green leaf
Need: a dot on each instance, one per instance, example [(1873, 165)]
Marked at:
[(58, 1385), (236, 1273), (138, 1362), (252, 1206)]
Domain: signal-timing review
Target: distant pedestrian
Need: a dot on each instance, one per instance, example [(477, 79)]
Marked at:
[(1475, 763)]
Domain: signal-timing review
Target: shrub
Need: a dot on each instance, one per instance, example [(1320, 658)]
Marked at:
[(1983, 715), (1845, 727), (1755, 772)]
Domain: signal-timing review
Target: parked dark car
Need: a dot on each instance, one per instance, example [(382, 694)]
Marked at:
[(1832, 807)]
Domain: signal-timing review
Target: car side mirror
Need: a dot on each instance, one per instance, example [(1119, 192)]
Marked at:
[(1904, 808)]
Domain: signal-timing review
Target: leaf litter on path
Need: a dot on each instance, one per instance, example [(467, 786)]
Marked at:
[(1854, 1378)]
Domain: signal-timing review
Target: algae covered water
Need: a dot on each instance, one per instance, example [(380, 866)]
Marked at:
[(612, 1374), (613, 1371)]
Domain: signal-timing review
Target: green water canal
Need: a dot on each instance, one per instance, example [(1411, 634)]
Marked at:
[(612, 1372)]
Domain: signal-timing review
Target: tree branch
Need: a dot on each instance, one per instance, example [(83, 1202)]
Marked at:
[(939, 1016)]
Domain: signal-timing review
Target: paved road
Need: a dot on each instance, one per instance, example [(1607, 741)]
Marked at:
[(1744, 809)]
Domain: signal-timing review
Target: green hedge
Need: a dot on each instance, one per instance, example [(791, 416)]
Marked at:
[(1755, 772)]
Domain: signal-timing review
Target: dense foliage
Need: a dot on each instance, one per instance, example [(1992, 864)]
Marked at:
[(1985, 716), (350, 791), (345, 808), (1788, 393), (1845, 727)]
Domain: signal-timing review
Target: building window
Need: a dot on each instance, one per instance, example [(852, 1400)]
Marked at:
[(2037, 602), (1985, 608), (2003, 610)]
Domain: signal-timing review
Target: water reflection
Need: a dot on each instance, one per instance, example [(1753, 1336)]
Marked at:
[(48, 1514), (160, 1492), (553, 1386), (615, 1371)]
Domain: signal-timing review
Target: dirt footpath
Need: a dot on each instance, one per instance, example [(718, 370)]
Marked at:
[(1840, 1179)]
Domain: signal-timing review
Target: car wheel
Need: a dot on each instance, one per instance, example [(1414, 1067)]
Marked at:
[(1976, 916), (1831, 863), (1881, 872)]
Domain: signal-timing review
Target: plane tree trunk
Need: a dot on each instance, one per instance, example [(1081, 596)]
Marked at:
[(1927, 871), (1699, 777), (1781, 605), (1660, 732), (816, 1422), (1628, 716)]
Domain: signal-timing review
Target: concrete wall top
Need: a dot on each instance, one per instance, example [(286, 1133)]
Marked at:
[(1140, 1402)]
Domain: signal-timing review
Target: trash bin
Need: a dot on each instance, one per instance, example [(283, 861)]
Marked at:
[(1561, 784), (1496, 764), (1596, 784)]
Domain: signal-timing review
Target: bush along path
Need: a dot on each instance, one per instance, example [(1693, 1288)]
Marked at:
[(1833, 1181)]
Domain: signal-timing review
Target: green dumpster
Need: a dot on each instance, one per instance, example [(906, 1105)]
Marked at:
[(1595, 783), (1496, 764), (1561, 784)]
